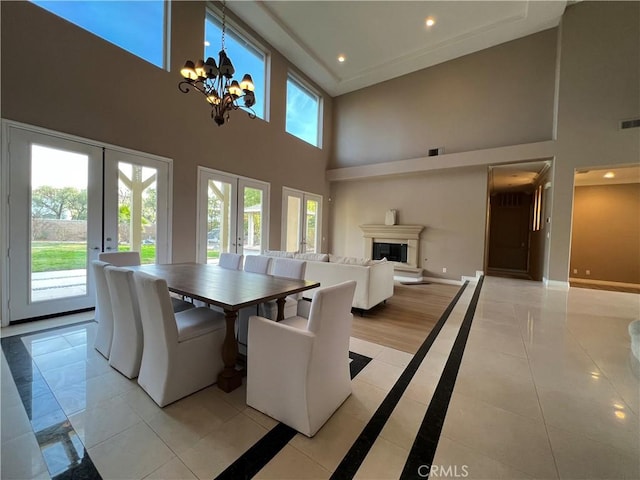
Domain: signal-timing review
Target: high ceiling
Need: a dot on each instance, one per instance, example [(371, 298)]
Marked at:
[(381, 40)]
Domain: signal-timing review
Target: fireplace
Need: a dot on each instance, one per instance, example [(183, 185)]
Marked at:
[(400, 244), (394, 252)]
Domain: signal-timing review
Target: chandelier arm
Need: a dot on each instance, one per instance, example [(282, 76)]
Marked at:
[(249, 111), (185, 87)]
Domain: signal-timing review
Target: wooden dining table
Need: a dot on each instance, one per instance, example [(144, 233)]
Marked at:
[(230, 290)]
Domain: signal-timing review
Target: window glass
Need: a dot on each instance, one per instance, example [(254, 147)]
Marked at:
[(303, 112), (245, 57), (136, 26)]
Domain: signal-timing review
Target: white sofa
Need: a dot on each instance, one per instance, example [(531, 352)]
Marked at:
[(374, 279)]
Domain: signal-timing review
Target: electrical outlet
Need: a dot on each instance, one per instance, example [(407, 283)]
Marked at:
[(588, 272), (444, 269), (575, 270)]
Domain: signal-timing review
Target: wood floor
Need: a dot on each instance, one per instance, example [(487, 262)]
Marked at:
[(405, 320)]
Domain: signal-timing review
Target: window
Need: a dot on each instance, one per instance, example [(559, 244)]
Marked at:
[(137, 27), (301, 221), (245, 56), (303, 112)]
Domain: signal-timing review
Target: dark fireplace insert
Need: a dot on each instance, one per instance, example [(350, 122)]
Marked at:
[(394, 252)]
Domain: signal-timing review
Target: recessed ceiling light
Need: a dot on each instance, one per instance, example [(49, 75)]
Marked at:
[(430, 22), (206, 43), (341, 58), (609, 175)]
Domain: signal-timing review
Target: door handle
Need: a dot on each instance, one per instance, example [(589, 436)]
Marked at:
[(95, 248)]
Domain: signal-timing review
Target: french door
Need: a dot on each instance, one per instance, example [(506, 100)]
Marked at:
[(233, 215), (69, 200), (301, 221)]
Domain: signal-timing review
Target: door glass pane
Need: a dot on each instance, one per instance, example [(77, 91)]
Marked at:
[(219, 235), (311, 219), (252, 221), (137, 210), (58, 223), (294, 206)]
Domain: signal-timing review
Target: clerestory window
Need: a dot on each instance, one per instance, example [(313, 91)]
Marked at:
[(138, 27), (246, 56), (304, 111)]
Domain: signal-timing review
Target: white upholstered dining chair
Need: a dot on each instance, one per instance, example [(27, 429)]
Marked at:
[(298, 369), (287, 268), (182, 351), (231, 261), (126, 347), (255, 264), (103, 313)]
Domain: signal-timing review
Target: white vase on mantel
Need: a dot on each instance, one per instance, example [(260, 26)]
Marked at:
[(390, 217)]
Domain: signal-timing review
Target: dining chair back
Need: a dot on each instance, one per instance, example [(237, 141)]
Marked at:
[(257, 264), (126, 347), (231, 261), (182, 351), (286, 268), (104, 312), (300, 376), (120, 259)]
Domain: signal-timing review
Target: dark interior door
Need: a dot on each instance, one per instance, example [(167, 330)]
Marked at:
[(509, 231)]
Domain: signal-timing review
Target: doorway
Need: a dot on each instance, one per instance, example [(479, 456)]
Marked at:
[(301, 221), (69, 200), (605, 231), (233, 215), (516, 238)]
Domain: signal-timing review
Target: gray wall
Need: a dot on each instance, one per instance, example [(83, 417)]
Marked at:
[(606, 233), (599, 86), (497, 97), (58, 76), (450, 204)]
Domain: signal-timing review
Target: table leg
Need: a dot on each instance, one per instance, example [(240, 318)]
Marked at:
[(230, 378), (280, 303)]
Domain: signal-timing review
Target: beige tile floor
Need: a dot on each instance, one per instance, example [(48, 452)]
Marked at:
[(546, 389)]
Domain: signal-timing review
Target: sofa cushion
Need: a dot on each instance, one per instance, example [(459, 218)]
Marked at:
[(279, 253), (312, 257), (349, 260)]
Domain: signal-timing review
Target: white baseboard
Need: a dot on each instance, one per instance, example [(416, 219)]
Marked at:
[(604, 282), (442, 280), (555, 284), (401, 278)]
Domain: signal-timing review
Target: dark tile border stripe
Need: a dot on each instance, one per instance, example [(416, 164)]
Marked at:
[(48, 421), (263, 451), (426, 441), (360, 448)]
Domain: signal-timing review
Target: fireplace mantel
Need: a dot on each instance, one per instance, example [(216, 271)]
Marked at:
[(397, 232), (409, 234)]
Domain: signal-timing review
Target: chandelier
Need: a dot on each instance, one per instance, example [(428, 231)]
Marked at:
[(216, 84)]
